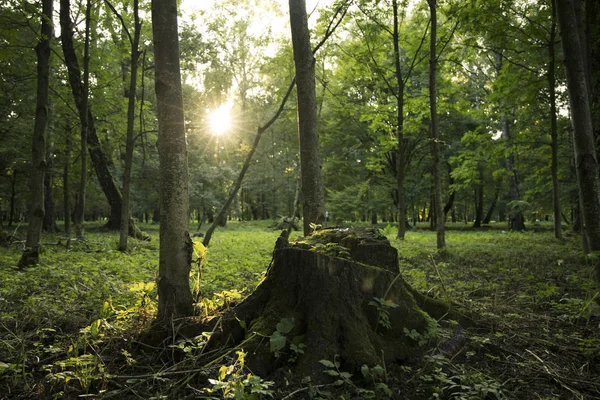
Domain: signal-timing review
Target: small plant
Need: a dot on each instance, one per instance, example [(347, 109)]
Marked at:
[(234, 383), (333, 370), (383, 311), (278, 340), (377, 375)]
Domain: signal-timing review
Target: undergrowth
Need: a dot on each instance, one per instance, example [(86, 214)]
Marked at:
[(70, 326)]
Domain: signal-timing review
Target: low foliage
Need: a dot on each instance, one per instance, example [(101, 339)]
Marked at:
[(70, 326)]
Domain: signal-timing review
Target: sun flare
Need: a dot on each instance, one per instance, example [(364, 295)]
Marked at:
[(220, 120)]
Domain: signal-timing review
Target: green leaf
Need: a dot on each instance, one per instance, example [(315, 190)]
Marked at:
[(327, 363), (285, 325), (365, 371), (277, 342)]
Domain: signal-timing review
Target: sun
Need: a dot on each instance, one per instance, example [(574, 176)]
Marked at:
[(220, 120)]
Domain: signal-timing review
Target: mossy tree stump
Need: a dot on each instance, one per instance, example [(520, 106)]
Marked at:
[(325, 286)]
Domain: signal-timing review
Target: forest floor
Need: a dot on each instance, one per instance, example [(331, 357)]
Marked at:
[(71, 326)]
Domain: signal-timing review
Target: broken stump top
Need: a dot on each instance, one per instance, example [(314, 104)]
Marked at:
[(363, 245)]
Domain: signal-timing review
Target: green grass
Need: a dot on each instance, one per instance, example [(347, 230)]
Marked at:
[(68, 323)]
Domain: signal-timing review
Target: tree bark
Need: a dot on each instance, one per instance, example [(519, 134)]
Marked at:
[(435, 134), (313, 196), (99, 160), (30, 255), (66, 184), (478, 203), (488, 215), (84, 118), (586, 162), (401, 155), (124, 229), (553, 127), (174, 294), (49, 224)]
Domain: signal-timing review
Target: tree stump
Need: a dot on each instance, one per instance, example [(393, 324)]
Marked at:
[(327, 291)]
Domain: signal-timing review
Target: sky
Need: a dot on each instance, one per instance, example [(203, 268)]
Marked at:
[(278, 26)]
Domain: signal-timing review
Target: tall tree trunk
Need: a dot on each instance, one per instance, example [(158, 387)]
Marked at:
[(435, 134), (553, 127), (313, 196), (516, 221), (84, 118), (99, 160), (401, 163), (49, 224), (592, 22), (30, 255), (66, 184), (174, 294), (586, 162), (124, 230)]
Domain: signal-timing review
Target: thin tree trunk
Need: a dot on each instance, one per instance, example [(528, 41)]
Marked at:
[(313, 196), (554, 128), (80, 205), (49, 224), (30, 255), (401, 163), (174, 295), (586, 161), (66, 184), (488, 215), (99, 160), (295, 208), (124, 230), (13, 195), (478, 204), (450, 202), (238, 183), (435, 135)]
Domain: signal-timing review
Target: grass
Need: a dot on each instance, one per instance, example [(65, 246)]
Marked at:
[(68, 326)]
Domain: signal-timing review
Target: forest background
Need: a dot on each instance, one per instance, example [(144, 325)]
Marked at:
[(505, 133)]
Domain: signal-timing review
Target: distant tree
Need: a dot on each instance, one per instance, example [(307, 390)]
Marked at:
[(174, 294), (435, 133), (586, 161), (38, 149), (134, 41), (313, 197)]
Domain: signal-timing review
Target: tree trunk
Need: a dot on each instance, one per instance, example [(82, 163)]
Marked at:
[(313, 197), (516, 221), (449, 205), (174, 294), (583, 134), (478, 204), (124, 229), (84, 118), (553, 127), (401, 150), (592, 34), (13, 195), (30, 255), (488, 215), (49, 224), (435, 134), (66, 184), (101, 164)]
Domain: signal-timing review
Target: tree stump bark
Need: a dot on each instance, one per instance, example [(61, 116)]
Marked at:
[(328, 289)]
